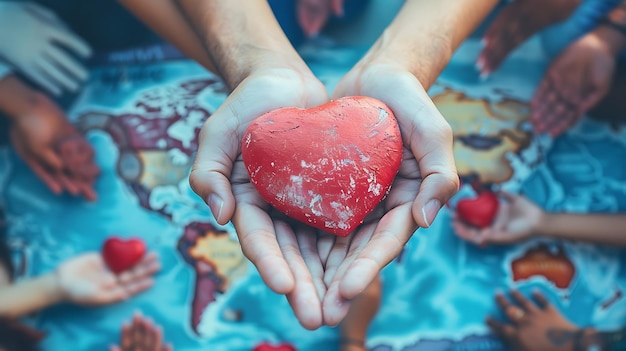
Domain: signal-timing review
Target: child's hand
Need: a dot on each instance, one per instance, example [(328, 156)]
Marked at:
[(533, 326), (141, 335), (518, 219), (55, 151), (86, 280)]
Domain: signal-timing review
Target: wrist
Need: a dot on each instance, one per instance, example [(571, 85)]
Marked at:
[(542, 224), (394, 48), (53, 288)]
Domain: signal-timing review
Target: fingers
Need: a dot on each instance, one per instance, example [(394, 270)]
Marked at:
[(336, 257), (212, 168), (46, 176), (54, 73), (308, 243), (37, 76), (147, 267), (66, 62), (503, 330), (542, 301), (42, 12), (259, 244), (73, 42), (522, 301), (127, 337), (304, 298), (387, 241), (430, 139)]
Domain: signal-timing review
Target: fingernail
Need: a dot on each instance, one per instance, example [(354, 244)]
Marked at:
[(430, 211), (216, 204)]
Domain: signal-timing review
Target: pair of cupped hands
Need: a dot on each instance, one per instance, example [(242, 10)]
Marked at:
[(321, 273)]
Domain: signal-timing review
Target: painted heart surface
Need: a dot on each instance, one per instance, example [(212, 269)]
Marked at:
[(264, 346), (120, 255), (327, 166), (479, 211)]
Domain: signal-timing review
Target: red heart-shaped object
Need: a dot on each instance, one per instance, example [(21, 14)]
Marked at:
[(120, 255), (327, 166), (479, 211), (264, 346)]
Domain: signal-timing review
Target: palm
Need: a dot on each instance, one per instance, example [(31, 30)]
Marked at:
[(85, 279), (219, 170), (577, 80), (426, 180)]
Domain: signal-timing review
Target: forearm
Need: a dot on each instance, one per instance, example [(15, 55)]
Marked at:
[(241, 36), (166, 19), (16, 98), (29, 296), (425, 33), (598, 228)]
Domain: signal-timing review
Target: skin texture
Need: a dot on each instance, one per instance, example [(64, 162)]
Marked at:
[(47, 142), (520, 219), (83, 280), (320, 274)]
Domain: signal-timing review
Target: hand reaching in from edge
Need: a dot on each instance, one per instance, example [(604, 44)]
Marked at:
[(518, 219), (86, 280), (576, 81), (141, 335), (54, 150)]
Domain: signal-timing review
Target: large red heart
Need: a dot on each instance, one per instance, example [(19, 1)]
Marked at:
[(479, 211), (120, 255), (327, 166), (264, 346)]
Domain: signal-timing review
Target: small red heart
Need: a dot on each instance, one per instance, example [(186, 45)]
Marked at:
[(120, 255), (264, 346), (479, 211), (327, 166)]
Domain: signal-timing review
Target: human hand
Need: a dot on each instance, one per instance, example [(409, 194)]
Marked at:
[(141, 335), (533, 326), (577, 80), (517, 22), (54, 150), (427, 179), (86, 280), (285, 253), (34, 40), (313, 14), (518, 219)]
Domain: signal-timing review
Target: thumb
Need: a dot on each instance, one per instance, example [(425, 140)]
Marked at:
[(210, 174)]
